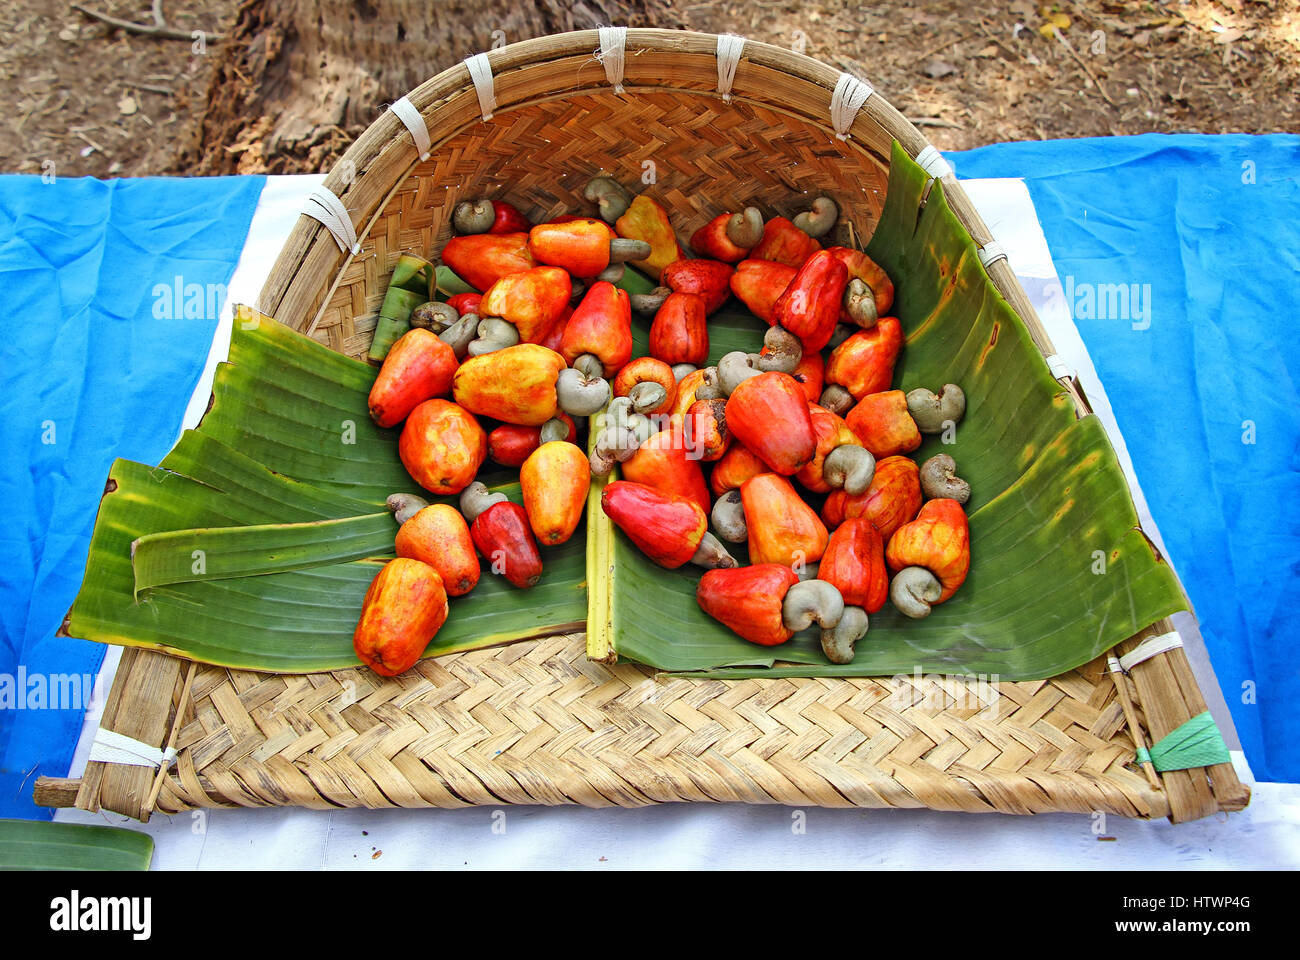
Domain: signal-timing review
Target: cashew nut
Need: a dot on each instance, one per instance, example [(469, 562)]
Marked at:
[(838, 642), (860, 303), (473, 216), (913, 590), (460, 333), (709, 388), (682, 370), (647, 396), (405, 505), (609, 196), (578, 395), (939, 480), (784, 350), (553, 429), (836, 399), (434, 316), (589, 365), (711, 554), (622, 249), (616, 443), (841, 333), (649, 303), (494, 333), (811, 601), (734, 368), (850, 467), (745, 229), (818, 221), (613, 273), (728, 516), (932, 411), (476, 498)]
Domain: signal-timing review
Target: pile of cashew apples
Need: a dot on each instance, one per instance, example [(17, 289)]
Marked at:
[(799, 449)]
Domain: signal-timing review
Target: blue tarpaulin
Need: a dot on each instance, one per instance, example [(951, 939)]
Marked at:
[(1205, 232), (99, 359)]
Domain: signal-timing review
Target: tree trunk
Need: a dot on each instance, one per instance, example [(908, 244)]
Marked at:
[(297, 80)]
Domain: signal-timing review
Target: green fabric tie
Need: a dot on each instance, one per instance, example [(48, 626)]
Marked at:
[(1197, 743)]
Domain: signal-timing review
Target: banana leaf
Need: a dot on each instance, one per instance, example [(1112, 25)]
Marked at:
[(42, 845), (413, 282), (1060, 571), (247, 494)]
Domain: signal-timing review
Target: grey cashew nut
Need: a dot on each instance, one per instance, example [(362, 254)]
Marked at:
[(849, 467), (745, 229), (616, 443), (728, 516), (809, 602), (818, 221), (939, 480), (476, 498), (610, 197), (553, 429), (494, 333), (836, 399), (434, 316), (473, 216), (589, 365), (682, 370), (647, 396), (711, 554), (405, 505), (784, 350), (807, 571), (577, 289), (709, 387), (649, 303), (841, 333), (642, 427), (932, 411), (860, 303), (913, 590), (616, 413), (734, 368), (459, 335), (613, 273), (839, 641), (622, 249), (579, 395)]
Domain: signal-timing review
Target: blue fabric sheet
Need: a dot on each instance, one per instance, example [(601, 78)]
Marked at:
[(1206, 394), (97, 363)]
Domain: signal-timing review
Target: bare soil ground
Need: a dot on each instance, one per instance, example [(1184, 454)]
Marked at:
[(87, 98)]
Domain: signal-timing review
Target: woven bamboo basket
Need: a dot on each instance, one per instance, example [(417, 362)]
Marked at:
[(535, 721)]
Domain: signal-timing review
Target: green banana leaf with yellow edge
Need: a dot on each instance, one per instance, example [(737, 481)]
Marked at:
[(254, 541), (1060, 571)]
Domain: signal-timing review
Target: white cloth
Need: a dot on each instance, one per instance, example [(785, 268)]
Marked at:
[(723, 836)]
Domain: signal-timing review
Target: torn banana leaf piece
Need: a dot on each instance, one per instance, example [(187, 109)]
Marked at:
[(44, 845), (411, 284), (220, 553), (1048, 499)]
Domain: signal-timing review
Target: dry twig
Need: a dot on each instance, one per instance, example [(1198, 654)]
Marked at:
[(159, 28)]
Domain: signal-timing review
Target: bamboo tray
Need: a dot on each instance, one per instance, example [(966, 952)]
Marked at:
[(535, 721)]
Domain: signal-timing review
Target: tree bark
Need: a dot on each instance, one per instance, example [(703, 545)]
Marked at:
[(297, 80)]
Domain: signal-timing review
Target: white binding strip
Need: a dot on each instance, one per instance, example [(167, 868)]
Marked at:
[(932, 162), (112, 747), (406, 112), (1112, 664), (730, 47), (480, 71), (1149, 648), (991, 252), (849, 96), (613, 46), (1060, 369), (324, 206)]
